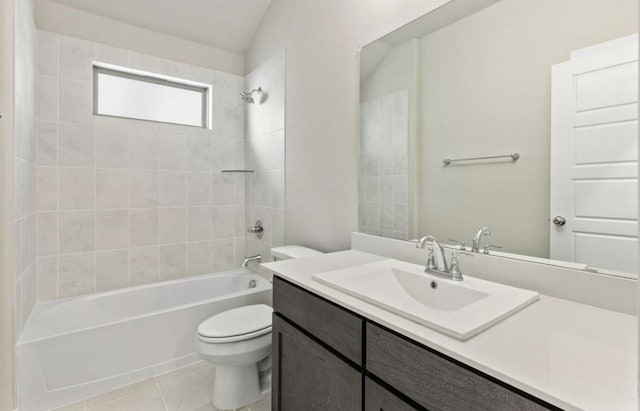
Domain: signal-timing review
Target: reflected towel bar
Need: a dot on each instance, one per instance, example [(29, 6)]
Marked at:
[(237, 171), (513, 156)]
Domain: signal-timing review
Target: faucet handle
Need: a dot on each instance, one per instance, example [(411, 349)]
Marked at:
[(486, 248), (463, 246), (431, 261), (454, 269)]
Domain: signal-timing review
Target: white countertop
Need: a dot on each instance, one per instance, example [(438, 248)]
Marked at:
[(571, 355)]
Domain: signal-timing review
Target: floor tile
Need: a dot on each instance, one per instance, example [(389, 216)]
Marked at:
[(148, 400), (262, 405), (119, 393), (76, 406), (188, 388)]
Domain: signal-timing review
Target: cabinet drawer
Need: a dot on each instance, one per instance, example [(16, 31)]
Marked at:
[(331, 324), (434, 381), (376, 398)]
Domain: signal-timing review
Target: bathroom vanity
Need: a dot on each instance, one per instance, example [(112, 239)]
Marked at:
[(334, 351), (327, 357)]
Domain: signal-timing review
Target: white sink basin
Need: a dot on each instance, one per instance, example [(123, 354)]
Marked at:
[(461, 309)]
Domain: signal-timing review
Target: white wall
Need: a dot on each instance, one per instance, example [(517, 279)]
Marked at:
[(7, 359), (24, 165), (322, 39), (62, 19)]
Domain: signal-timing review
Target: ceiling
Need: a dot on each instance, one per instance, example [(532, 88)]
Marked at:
[(225, 24)]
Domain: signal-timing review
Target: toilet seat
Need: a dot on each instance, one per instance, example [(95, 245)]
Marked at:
[(237, 324)]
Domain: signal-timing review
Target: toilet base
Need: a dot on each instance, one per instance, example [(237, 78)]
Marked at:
[(238, 386)]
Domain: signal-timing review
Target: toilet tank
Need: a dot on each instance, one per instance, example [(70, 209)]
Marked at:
[(287, 252)]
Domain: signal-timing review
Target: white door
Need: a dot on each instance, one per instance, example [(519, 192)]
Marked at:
[(594, 157)]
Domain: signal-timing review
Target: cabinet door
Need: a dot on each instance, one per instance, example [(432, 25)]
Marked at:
[(307, 376)]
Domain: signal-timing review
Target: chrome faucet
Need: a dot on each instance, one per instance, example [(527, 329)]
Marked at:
[(437, 263), (252, 259), (475, 245)]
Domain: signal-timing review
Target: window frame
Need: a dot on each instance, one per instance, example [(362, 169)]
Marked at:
[(153, 78)]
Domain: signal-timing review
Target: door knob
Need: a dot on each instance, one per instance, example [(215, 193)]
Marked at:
[(559, 220)]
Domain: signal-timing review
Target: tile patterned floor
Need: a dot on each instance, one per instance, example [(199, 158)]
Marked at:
[(184, 389)]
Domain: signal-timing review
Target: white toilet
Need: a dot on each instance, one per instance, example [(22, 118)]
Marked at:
[(238, 343)]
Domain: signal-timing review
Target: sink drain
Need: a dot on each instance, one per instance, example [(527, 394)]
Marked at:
[(434, 285)]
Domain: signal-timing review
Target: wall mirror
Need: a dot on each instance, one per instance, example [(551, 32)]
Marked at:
[(516, 115)]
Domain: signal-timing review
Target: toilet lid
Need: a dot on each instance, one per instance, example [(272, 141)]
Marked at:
[(249, 321)]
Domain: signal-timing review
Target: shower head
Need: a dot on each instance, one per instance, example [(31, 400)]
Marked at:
[(247, 96)]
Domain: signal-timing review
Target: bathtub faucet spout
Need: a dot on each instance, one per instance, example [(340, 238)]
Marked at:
[(253, 258)]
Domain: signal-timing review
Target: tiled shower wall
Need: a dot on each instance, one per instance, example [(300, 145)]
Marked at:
[(25, 168), (383, 164), (265, 150), (126, 202)]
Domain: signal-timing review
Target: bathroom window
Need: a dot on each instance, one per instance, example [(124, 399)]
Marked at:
[(121, 92)]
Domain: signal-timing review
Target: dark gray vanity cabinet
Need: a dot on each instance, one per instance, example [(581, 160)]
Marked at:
[(328, 358), (310, 377)]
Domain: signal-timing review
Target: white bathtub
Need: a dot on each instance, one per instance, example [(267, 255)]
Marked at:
[(75, 348)]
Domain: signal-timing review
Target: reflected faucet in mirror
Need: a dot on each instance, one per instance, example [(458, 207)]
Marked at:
[(475, 245)]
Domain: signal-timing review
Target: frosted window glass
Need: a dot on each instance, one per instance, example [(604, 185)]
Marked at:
[(146, 98)]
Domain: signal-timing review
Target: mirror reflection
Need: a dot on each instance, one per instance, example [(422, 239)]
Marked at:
[(509, 126)]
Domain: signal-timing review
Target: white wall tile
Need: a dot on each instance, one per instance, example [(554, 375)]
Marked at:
[(76, 145), (76, 231), (199, 156), (199, 258), (112, 147), (223, 188), (47, 143), (124, 192), (199, 188), (76, 188), (47, 53), (47, 198), (223, 222), (47, 237), (143, 265), (172, 151), (172, 225), (112, 55), (143, 145), (112, 188), (76, 274), (143, 188), (47, 278), (172, 188), (143, 227), (173, 262), (74, 102), (47, 98), (222, 255), (223, 154), (75, 57), (112, 269), (199, 223), (112, 229)]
